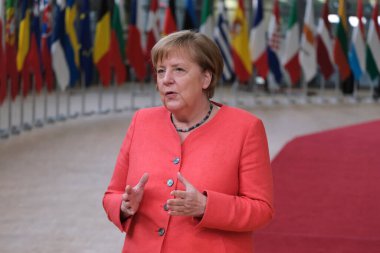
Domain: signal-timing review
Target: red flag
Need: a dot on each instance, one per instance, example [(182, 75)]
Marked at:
[(117, 52), (46, 45), (153, 27), (135, 52), (324, 44), (3, 83), (170, 23)]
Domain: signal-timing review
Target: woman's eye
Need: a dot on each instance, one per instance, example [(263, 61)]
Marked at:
[(160, 71), (179, 69)]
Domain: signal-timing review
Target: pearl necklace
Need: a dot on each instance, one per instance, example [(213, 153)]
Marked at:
[(196, 125)]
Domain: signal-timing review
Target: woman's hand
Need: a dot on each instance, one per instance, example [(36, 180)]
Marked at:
[(187, 203), (132, 197)]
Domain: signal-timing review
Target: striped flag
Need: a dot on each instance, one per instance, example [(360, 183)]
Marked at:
[(3, 82), (24, 45), (33, 61), (23, 36), (274, 43), (257, 42), (373, 44), (292, 45), (60, 65), (222, 39), (85, 38), (356, 55), (340, 43), (170, 19), (10, 46), (102, 43), (117, 52), (46, 42), (308, 57), (207, 21), (239, 41), (135, 51), (72, 46), (153, 27), (190, 20), (324, 44)]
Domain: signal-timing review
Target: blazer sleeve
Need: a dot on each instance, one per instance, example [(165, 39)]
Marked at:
[(113, 195), (252, 208)]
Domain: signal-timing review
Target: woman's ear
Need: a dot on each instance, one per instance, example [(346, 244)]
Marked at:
[(207, 78)]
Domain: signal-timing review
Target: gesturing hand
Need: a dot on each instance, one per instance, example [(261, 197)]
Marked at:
[(132, 197), (187, 203)]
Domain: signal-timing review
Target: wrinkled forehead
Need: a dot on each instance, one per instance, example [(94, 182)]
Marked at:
[(185, 53)]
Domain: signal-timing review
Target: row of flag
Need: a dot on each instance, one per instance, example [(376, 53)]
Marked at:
[(55, 44), (315, 48)]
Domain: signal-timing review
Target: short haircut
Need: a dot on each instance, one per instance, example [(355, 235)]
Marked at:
[(200, 48)]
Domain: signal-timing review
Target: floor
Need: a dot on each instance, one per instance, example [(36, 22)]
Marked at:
[(52, 179)]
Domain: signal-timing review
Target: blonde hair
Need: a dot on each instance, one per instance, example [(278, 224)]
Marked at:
[(201, 49)]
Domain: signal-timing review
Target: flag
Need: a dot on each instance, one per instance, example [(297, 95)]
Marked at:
[(46, 41), (308, 54), (117, 52), (356, 55), (10, 47), (340, 44), (373, 44), (24, 45), (71, 45), (190, 19), (274, 43), (23, 36), (33, 61), (3, 82), (135, 51), (102, 43), (324, 44), (207, 21), (290, 58), (222, 39), (85, 38), (257, 42), (239, 41), (153, 27), (60, 64), (170, 19)]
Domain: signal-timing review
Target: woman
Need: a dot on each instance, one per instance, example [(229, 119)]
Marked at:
[(193, 175)]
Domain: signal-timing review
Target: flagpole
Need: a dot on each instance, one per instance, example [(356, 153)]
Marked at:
[(115, 100), (83, 95), (8, 132), (3, 133), (35, 122)]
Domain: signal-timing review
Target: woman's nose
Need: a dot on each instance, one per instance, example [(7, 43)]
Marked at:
[(167, 78)]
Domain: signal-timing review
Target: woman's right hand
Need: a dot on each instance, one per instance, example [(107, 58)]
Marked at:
[(132, 197)]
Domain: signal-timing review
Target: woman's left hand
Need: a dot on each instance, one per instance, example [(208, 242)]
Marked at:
[(187, 203)]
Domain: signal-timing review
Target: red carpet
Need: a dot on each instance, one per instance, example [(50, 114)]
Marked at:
[(327, 194)]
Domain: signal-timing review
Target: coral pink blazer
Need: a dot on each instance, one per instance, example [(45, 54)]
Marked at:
[(226, 158)]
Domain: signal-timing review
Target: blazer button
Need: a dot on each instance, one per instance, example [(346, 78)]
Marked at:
[(161, 232), (170, 182), (166, 208), (176, 160)]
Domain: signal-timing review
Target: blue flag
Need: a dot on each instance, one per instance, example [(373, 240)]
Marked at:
[(85, 39)]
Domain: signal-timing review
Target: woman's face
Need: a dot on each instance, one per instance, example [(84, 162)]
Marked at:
[(181, 82)]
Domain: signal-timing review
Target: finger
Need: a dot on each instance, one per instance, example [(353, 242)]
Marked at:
[(128, 189), (184, 181), (142, 181), (178, 194), (124, 197), (175, 202)]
